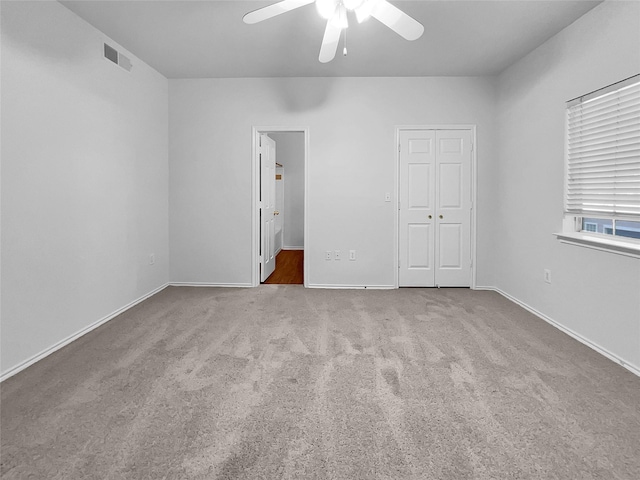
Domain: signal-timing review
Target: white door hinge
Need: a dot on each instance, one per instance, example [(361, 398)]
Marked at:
[(399, 147)]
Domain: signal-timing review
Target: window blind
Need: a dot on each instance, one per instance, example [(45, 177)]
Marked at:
[(603, 158)]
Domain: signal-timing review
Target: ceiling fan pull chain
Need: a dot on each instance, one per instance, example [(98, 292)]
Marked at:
[(344, 52)]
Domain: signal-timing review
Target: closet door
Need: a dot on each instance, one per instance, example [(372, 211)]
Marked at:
[(435, 208), (417, 208), (453, 207)]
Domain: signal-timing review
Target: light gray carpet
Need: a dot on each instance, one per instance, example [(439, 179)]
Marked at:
[(282, 382)]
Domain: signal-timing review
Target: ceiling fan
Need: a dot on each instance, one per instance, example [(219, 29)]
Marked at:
[(335, 12)]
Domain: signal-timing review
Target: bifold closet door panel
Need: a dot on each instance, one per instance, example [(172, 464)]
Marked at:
[(417, 207)]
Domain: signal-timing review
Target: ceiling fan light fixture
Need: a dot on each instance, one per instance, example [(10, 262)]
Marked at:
[(352, 4), (327, 8), (363, 11), (339, 19)]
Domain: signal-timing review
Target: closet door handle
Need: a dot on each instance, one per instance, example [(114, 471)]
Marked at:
[(276, 212), (441, 217), (430, 217)]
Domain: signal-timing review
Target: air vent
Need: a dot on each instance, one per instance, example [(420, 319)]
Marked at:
[(116, 57), (110, 53)]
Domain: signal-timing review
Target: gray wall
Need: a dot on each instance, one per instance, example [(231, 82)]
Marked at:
[(351, 166), (84, 179), (594, 294), (290, 153)]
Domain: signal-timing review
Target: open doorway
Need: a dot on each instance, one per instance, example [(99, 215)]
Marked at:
[(279, 166)]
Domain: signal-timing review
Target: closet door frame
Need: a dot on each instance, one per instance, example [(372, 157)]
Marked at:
[(474, 190)]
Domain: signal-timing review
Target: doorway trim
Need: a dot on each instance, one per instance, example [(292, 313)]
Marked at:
[(255, 196), (474, 192)]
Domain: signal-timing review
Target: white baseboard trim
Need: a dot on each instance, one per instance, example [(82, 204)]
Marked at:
[(292, 248), (351, 287), (57, 346), (198, 284), (594, 346)]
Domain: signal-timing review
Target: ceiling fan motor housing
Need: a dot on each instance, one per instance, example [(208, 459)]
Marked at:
[(327, 8)]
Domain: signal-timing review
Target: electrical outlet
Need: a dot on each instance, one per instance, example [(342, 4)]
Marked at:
[(152, 258), (547, 275), (337, 255), (327, 255), (352, 254)]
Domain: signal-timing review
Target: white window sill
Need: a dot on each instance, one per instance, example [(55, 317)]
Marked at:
[(630, 247)]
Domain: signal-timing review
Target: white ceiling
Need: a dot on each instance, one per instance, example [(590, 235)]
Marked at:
[(207, 38)]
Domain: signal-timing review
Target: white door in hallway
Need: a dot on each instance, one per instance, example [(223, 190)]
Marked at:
[(267, 206), (435, 208)]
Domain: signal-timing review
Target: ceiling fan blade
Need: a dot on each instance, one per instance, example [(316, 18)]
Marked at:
[(398, 21), (330, 42), (274, 10)]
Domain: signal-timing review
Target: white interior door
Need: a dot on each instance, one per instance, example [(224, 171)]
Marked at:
[(435, 208), (417, 208), (267, 206), (453, 204)]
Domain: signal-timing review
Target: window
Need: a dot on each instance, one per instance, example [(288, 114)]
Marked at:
[(603, 160), (620, 228), (589, 226)]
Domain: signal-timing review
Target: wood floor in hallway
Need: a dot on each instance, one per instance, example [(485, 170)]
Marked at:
[(289, 268)]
